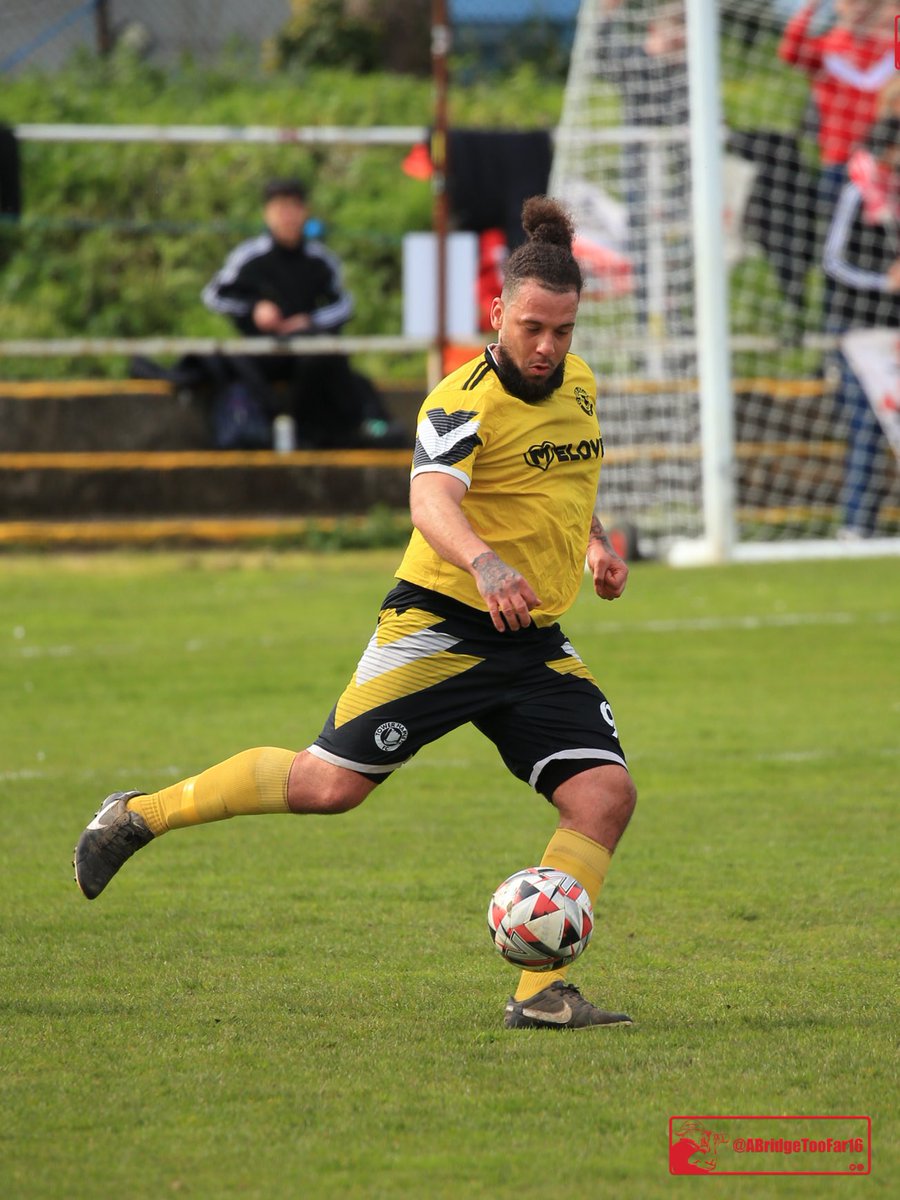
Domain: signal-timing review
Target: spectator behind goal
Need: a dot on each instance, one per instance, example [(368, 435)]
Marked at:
[(862, 258), (849, 64)]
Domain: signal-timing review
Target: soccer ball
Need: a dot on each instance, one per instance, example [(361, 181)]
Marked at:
[(540, 919)]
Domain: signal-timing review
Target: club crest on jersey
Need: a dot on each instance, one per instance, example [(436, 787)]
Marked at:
[(585, 403), (549, 452), (390, 736)]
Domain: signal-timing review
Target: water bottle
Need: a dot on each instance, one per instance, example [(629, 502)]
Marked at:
[(284, 434)]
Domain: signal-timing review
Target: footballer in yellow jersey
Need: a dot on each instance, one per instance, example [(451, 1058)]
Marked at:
[(502, 500), (525, 469), (530, 470)]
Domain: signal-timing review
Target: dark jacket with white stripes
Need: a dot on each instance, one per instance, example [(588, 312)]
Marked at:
[(301, 279), (858, 255)]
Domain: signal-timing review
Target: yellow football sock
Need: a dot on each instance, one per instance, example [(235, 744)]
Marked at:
[(254, 781), (588, 862)]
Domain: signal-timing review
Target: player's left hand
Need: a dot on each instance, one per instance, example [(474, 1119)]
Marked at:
[(609, 571)]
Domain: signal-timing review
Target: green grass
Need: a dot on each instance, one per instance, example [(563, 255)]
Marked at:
[(290, 1007)]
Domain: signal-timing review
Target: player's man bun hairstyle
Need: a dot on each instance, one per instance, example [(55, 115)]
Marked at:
[(546, 256)]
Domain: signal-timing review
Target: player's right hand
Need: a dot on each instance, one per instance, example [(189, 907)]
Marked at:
[(508, 595)]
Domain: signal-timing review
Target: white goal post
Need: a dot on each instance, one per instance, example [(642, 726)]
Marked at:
[(690, 148)]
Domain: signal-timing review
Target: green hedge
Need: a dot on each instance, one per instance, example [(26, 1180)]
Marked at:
[(119, 239)]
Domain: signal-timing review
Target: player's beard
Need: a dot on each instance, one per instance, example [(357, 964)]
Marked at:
[(532, 391)]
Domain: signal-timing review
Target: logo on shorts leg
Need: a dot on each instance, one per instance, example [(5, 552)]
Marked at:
[(390, 736)]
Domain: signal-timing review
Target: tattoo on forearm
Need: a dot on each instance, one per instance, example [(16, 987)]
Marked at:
[(492, 571), (598, 534)]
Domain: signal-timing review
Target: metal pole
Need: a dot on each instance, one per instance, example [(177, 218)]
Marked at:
[(440, 49), (104, 34)]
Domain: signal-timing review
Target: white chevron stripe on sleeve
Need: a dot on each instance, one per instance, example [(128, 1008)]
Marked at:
[(435, 444)]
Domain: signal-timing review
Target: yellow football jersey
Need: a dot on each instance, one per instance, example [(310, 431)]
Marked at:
[(531, 471)]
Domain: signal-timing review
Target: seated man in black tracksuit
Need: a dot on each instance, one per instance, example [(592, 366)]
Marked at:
[(280, 284)]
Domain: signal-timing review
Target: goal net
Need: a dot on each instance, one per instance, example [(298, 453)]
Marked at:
[(807, 108)]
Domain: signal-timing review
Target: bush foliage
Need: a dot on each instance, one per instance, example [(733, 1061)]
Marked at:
[(118, 239), (361, 35)]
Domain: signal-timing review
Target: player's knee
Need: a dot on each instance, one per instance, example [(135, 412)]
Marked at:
[(617, 797), (335, 796), (629, 795), (617, 804), (319, 787), (339, 799), (598, 803), (608, 789)]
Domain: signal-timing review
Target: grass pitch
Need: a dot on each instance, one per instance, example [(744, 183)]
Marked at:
[(277, 1007)]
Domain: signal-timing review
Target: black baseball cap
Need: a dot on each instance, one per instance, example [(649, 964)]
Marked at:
[(292, 187)]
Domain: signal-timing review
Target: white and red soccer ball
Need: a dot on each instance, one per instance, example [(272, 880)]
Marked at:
[(540, 919)]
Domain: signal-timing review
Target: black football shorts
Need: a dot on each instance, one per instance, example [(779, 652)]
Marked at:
[(434, 664)]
